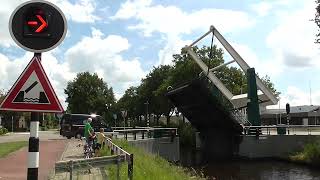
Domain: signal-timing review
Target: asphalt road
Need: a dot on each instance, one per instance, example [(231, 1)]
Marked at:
[(24, 136)]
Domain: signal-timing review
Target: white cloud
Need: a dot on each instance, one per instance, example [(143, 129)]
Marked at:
[(266, 7), (173, 46), (262, 66), (82, 11), (297, 97), (102, 55), (262, 8), (293, 39), (96, 53), (173, 22)]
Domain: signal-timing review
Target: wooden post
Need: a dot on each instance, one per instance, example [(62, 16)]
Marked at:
[(118, 168), (71, 169), (130, 167), (111, 148)]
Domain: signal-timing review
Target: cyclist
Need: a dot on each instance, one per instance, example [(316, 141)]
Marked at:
[(88, 130), (89, 135)]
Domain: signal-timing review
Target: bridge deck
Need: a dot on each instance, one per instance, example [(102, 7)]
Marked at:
[(203, 106)]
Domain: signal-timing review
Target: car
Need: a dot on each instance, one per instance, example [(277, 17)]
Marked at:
[(72, 125)]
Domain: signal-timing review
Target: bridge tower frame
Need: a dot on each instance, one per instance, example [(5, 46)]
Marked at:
[(254, 82)]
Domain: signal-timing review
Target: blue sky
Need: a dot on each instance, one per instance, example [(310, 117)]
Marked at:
[(123, 40)]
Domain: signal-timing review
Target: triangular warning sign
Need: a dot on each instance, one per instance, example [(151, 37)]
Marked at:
[(32, 92)]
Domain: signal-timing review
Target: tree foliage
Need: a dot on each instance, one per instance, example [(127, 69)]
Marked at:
[(317, 20), (88, 93)]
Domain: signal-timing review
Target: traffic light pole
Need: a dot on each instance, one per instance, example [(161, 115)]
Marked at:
[(33, 152)]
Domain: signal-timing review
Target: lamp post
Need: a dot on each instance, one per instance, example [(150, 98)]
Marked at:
[(147, 115)]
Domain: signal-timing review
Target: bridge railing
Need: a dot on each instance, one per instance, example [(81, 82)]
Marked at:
[(147, 132), (282, 130), (118, 155)]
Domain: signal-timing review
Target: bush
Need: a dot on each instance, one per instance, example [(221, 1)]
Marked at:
[(309, 154), (312, 152), (3, 131)]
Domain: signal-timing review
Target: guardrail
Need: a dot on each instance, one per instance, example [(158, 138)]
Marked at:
[(282, 129), (149, 133), (118, 155)]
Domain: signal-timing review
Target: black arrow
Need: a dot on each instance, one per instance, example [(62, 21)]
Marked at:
[(30, 87)]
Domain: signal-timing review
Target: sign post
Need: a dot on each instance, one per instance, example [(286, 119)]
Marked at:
[(37, 26)]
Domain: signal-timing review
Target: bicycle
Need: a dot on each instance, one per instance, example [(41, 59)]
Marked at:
[(88, 149)]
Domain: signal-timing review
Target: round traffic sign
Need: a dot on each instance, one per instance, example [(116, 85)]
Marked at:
[(37, 26)]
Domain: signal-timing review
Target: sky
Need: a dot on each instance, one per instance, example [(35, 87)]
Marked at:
[(122, 41)]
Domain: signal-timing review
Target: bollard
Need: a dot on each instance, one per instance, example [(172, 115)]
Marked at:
[(142, 134), (130, 167), (126, 135), (173, 133), (71, 169), (118, 167), (112, 150), (134, 136)]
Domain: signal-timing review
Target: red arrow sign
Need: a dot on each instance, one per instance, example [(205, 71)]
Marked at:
[(43, 25), (35, 23)]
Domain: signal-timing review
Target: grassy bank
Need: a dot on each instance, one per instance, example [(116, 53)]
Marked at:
[(6, 148), (148, 166), (309, 155)]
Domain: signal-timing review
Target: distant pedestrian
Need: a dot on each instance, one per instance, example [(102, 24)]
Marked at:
[(100, 141)]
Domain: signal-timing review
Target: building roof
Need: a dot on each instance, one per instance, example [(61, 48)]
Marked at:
[(293, 109), (303, 109)]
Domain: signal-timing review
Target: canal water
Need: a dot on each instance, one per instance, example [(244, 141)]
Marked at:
[(248, 169)]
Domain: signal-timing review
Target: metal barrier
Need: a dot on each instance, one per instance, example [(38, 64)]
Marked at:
[(118, 155), (149, 133), (283, 129)]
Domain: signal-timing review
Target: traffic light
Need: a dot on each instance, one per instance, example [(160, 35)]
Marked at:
[(36, 23), (288, 108), (37, 26)]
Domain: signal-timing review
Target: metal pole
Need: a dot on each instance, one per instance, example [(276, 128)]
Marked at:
[(33, 155), (288, 123), (12, 124), (147, 115)]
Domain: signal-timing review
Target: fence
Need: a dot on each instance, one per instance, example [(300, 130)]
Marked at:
[(142, 133), (118, 155), (283, 129)]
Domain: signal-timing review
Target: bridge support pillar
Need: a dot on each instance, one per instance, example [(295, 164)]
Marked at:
[(253, 104), (219, 144)]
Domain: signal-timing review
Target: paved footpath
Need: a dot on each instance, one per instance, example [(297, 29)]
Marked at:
[(14, 166), (74, 151)]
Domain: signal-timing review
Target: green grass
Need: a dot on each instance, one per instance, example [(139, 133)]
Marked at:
[(148, 166), (6, 148), (310, 154)]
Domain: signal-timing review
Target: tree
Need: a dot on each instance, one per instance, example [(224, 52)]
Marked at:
[(317, 20), (129, 103), (88, 93)]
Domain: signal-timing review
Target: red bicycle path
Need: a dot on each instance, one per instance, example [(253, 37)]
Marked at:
[(14, 166)]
